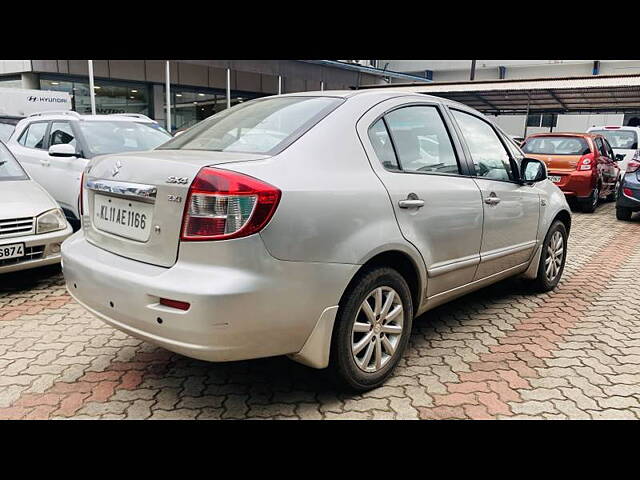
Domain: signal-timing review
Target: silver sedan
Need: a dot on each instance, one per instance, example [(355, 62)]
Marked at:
[(314, 225), (32, 226)]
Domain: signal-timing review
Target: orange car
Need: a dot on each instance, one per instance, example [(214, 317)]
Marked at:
[(583, 165)]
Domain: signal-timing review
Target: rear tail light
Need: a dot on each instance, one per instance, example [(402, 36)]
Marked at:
[(223, 204), (633, 164), (628, 192), (585, 163)]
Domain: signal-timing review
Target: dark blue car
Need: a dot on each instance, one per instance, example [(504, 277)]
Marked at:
[(628, 200)]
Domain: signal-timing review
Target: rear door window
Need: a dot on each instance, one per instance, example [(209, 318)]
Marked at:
[(421, 140), (381, 141), (35, 135)]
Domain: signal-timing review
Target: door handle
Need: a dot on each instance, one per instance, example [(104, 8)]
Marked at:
[(492, 199), (411, 203), (45, 162)]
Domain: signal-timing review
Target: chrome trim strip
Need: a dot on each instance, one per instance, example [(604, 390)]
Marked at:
[(446, 267), (137, 191), (504, 252)]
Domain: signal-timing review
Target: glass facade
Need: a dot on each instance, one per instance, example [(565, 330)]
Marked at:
[(111, 97), (10, 82), (189, 106)]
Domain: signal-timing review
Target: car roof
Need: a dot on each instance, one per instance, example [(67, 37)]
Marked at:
[(71, 115), (565, 134), (613, 127), (380, 93)]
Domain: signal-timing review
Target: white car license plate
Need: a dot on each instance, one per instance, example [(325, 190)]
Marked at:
[(555, 178), (126, 218), (14, 250)]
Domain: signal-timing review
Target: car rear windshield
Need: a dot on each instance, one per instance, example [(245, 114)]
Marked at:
[(556, 146), (119, 136), (623, 139), (264, 126), (10, 169)]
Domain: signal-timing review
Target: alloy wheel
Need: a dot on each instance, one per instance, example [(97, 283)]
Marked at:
[(555, 254), (377, 329)]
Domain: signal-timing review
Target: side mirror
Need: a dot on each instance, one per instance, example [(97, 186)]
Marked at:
[(62, 150), (619, 157), (532, 170)]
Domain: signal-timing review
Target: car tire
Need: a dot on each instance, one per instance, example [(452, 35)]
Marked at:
[(359, 358), (623, 213), (591, 203), (549, 276)]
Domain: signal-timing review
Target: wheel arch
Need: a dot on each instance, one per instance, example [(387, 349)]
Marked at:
[(565, 217)]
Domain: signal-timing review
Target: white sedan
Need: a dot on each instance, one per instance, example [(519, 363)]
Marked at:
[(32, 226)]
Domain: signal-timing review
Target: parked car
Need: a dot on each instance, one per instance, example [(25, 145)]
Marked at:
[(7, 126), (55, 148), (628, 200), (320, 238), (623, 141), (583, 165), (32, 227)]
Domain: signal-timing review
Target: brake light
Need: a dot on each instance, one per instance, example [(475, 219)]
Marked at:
[(611, 128), (633, 164), (222, 204), (628, 192), (584, 163)]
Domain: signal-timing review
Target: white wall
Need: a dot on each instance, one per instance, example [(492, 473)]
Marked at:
[(514, 124)]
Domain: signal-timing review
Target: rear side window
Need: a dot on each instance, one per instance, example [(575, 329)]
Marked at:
[(261, 126), (560, 145), (381, 141), (489, 156), (34, 135)]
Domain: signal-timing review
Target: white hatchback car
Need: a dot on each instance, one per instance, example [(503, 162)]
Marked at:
[(623, 141), (32, 227), (55, 147)]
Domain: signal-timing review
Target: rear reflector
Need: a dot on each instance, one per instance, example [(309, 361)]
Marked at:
[(175, 304), (223, 205)]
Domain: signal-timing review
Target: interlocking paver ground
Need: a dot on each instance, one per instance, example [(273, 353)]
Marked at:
[(501, 352)]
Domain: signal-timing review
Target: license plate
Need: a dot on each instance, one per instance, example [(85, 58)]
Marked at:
[(126, 218), (555, 178), (15, 250)]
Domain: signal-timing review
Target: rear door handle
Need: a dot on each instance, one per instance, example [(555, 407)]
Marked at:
[(411, 203), (45, 162), (492, 199)]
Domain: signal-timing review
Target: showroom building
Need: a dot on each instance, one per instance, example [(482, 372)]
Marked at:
[(198, 88)]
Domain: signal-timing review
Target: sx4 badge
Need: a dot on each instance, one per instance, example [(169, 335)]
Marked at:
[(179, 180)]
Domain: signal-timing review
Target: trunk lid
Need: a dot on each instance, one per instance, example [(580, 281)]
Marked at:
[(134, 203)]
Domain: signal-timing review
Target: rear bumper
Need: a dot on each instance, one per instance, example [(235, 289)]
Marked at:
[(42, 250), (577, 184), (243, 302)]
